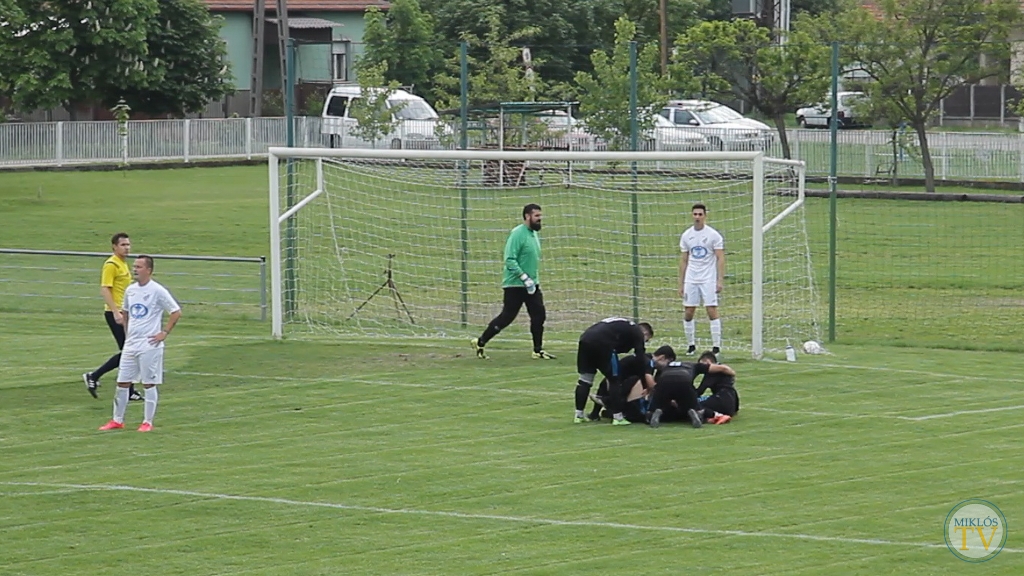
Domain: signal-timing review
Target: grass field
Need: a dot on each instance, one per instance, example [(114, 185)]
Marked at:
[(395, 456)]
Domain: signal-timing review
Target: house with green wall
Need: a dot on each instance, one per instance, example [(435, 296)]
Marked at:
[(317, 64)]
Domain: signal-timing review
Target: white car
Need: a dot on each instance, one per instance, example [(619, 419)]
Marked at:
[(819, 115), (571, 133), (416, 123), (723, 127)]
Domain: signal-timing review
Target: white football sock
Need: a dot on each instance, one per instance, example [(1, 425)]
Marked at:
[(716, 332), (151, 398), (690, 327), (120, 404)]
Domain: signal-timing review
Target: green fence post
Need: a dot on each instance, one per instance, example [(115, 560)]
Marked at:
[(290, 285), (633, 200), (464, 144), (832, 172)]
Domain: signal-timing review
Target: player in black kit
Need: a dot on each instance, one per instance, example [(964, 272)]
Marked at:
[(724, 401), (636, 401), (599, 349), (674, 389)]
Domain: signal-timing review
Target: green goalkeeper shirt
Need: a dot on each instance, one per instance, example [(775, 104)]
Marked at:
[(522, 254)]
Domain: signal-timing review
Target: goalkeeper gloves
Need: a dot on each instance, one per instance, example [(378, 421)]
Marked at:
[(531, 286)]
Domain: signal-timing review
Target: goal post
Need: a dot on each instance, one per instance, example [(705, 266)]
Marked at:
[(409, 242)]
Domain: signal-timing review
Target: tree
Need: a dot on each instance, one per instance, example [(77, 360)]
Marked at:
[(185, 64), (405, 39), (375, 119), (12, 19), (917, 52), (681, 15), (497, 72), (604, 93), (557, 29), (69, 52), (740, 59)]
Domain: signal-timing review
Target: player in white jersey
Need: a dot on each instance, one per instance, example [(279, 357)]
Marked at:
[(701, 276), (142, 360)]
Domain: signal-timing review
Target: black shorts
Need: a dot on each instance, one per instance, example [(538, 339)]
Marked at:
[(592, 358), (726, 401)]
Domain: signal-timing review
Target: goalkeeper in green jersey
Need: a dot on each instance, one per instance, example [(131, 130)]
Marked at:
[(521, 284)]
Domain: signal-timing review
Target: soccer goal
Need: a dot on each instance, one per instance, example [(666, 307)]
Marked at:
[(409, 242)]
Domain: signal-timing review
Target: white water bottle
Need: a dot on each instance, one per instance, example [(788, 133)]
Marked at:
[(790, 352)]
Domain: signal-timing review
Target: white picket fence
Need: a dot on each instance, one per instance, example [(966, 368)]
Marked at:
[(862, 153)]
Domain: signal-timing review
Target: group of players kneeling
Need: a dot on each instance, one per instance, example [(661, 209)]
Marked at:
[(649, 388)]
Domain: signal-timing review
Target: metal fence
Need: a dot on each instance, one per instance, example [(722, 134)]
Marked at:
[(68, 282), (868, 154)]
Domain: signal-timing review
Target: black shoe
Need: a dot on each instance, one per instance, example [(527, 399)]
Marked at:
[(594, 417), (716, 351), (691, 350), (695, 418), (656, 418), (135, 397), (90, 384)]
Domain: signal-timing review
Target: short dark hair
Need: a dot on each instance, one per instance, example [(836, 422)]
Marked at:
[(646, 328), (147, 259), (666, 351), (116, 238), (710, 355), (701, 206), (529, 209)]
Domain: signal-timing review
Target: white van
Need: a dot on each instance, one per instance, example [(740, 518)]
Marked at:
[(417, 122)]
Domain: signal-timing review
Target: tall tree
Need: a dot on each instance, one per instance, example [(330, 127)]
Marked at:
[(555, 28), (497, 72), (405, 39), (740, 59), (681, 15), (185, 65), (604, 93), (70, 52), (12, 20), (917, 52)]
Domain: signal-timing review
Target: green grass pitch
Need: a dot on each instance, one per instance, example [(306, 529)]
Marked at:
[(397, 456)]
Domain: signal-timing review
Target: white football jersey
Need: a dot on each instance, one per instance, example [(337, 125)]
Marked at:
[(145, 306), (701, 245)]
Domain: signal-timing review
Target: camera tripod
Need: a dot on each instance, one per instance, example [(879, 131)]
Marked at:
[(396, 296)]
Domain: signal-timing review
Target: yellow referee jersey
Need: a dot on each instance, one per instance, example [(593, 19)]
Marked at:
[(117, 276)]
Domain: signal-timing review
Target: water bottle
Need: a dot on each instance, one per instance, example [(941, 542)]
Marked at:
[(790, 352)]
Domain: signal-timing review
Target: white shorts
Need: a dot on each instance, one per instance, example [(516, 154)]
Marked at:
[(142, 367), (693, 293)]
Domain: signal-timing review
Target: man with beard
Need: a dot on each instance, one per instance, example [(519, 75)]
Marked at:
[(521, 284)]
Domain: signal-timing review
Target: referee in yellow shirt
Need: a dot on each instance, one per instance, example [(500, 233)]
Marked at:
[(114, 279)]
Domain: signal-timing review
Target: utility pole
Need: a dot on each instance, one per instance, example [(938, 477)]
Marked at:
[(663, 12)]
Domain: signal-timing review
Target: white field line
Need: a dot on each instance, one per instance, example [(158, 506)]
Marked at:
[(494, 517)]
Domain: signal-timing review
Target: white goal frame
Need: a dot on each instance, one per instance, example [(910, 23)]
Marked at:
[(758, 226)]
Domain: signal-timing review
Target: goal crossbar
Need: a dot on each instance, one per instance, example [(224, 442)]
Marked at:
[(552, 156)]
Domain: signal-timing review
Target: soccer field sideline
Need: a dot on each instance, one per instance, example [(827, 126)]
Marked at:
[(464, 516)]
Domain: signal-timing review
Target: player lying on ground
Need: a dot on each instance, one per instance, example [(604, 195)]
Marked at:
[(636, 400), (598, 351), (674, 395)]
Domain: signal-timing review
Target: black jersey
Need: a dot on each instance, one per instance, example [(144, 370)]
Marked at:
[(681, 372), (617, 335), (717, 383)]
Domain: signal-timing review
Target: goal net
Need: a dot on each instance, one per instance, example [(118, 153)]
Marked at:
[(410, 243)]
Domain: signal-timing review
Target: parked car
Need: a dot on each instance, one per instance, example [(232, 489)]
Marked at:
[(723, 127), (417, 123), (571, 133), (819, 115)]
